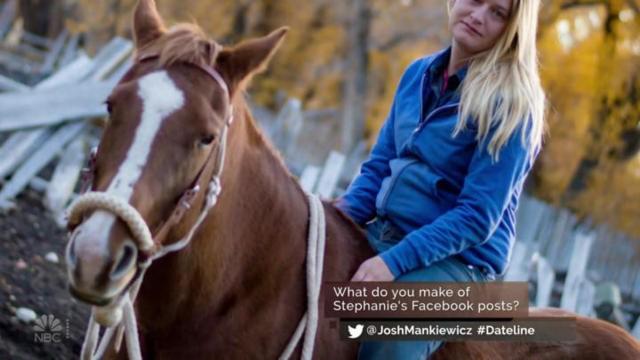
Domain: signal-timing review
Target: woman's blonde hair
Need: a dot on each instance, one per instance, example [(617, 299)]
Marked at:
[(502, 87)]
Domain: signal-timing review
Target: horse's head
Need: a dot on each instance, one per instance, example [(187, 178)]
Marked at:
[(168, 117)]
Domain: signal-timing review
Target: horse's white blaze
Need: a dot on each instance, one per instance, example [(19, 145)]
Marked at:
[(160, 97)]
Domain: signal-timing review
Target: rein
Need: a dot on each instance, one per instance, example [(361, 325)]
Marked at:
[(119, 317)]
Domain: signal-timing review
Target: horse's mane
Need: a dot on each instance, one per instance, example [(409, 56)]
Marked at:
[(184, 42), (258, 137)]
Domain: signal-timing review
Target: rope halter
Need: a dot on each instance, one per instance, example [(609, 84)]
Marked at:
[(149, 245)]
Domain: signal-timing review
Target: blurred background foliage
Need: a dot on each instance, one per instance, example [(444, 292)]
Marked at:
[(349, 55)]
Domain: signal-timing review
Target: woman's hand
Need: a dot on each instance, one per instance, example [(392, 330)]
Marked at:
[(374, 269)]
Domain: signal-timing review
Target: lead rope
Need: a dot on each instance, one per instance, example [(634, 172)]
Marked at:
[(315, 261)]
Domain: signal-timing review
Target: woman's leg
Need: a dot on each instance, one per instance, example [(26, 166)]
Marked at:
[(447, 270)]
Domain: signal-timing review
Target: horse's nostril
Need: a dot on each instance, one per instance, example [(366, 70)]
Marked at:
[(71, 254), (125, 261)]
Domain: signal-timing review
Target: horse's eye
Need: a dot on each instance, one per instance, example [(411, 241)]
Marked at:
[(109, 106), (207, 140)]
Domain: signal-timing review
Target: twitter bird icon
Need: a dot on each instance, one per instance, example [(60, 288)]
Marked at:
[(355, 331)]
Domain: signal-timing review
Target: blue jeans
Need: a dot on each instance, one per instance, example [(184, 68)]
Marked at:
[(381, 235)]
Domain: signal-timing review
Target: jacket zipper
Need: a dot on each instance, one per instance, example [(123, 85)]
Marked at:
[(383, 203), (424, 76), (424, 121), (411, 141), (421, 123), (393, 180)]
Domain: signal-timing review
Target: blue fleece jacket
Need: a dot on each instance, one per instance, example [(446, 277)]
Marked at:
[(445, 193)]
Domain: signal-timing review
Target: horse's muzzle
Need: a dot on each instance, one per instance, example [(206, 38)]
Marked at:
[(101, 260)]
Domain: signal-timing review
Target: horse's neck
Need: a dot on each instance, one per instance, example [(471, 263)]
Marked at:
[(263, 218), (252, 243)]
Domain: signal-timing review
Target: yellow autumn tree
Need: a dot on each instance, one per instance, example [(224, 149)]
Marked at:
[(589, 60)]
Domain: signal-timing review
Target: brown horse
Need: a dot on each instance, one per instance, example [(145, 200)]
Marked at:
[(238, 290)]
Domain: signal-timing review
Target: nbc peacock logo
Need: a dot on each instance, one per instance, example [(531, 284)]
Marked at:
[(47, 329)]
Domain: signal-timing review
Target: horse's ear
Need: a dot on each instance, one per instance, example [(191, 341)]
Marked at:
[(147, 23), (239, 63)]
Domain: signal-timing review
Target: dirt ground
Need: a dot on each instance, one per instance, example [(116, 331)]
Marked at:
[(27, 279)]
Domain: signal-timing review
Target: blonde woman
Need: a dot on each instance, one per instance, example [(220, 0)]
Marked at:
[(439, 191)]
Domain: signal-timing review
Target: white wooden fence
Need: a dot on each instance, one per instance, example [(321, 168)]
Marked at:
[(306, 141), (550, 242), (27, 53), (47, 124)]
